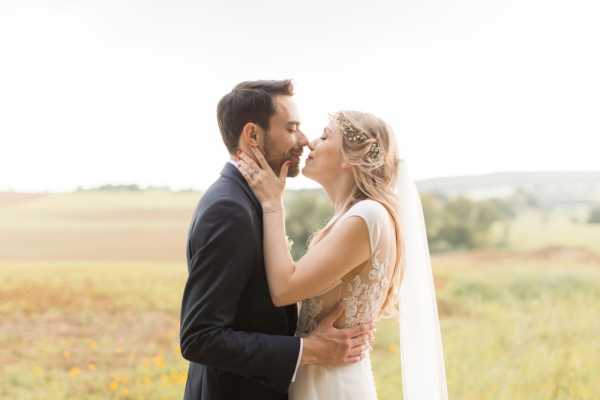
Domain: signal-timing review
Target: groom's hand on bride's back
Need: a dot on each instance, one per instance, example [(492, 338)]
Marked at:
[(330, 346)]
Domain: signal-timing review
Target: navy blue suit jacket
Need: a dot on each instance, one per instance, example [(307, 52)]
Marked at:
[(240, 346)]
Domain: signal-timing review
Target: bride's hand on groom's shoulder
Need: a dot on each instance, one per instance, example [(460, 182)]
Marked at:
[(330, 346), (266, 185)]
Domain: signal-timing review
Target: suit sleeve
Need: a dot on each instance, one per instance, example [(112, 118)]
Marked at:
[(222, 257)]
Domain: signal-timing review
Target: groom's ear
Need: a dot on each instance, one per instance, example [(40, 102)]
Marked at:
[(251, 134)]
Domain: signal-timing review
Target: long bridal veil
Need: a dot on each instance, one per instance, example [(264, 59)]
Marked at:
[(421, 352)]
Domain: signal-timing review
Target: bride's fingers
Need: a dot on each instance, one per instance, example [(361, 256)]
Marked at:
[(249, 161), (253, 171), (242, 166), (245, 175), (284, 171), (245, 171), (261, 159)]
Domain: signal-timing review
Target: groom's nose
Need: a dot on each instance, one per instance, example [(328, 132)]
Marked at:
[(302, 140)]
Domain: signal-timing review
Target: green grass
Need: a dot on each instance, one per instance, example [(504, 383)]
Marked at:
[(91, 331), (100, 331), (512, 333), (537, 229), (91, 287)]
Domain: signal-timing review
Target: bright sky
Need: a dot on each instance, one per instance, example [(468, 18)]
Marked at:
[(97, 92)]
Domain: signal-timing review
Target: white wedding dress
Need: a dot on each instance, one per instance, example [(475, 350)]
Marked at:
[(363, 292)]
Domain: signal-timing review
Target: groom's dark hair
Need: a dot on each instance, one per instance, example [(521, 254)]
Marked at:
[(250, 101)]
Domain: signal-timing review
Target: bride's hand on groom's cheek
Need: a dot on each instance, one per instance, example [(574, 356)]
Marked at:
[(267, 186), (330, 346)]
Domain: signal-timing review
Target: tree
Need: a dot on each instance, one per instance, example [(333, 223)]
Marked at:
[(433, 210), (306, 212), (594, 217), (461, 223)]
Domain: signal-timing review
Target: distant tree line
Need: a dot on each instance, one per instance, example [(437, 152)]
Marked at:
[(452, 223), (113, 188), (132, 188)]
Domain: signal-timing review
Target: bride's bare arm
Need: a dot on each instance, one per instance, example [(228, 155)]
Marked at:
[(343, 249), (339, 252)]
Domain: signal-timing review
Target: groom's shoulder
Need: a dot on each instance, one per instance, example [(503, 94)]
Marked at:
[(217, 213), (223, 190), (223, 200)]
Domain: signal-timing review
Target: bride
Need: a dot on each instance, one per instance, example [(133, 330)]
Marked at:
[(372, 256)]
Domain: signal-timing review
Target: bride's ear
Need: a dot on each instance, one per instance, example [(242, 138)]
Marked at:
[(251, 134)]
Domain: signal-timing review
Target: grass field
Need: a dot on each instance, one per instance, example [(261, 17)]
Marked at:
[(87, 311)]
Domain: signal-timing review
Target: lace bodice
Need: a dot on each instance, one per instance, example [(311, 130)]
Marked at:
[(363, 290)]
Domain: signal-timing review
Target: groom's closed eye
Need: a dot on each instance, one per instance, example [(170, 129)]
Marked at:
[(293, 126)]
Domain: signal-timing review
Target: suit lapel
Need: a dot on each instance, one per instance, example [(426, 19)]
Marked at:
[(232, 172)]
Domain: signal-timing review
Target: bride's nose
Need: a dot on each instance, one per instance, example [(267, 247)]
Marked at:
[(312, 144)]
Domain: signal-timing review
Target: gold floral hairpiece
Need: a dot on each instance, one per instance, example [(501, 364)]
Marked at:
[(357, 136)]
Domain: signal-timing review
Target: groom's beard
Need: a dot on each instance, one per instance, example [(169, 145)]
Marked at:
[(276, 161), (294, 158)]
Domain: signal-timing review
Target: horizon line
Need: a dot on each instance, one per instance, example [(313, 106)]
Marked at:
[(169, 188)]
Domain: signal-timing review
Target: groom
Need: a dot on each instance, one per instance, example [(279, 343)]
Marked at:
[(240, 346)]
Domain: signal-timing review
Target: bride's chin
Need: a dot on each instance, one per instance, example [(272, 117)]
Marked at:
[(306, 173)]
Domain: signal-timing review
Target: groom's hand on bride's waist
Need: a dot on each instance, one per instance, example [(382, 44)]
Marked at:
[(330, 346)]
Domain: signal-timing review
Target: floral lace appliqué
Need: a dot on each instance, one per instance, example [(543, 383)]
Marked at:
[(363, 299)]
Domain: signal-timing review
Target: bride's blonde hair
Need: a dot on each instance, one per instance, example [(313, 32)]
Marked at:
[(369, 146)]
